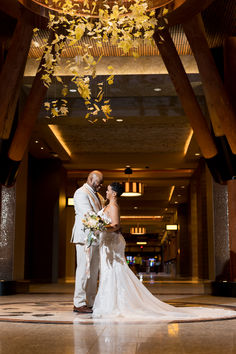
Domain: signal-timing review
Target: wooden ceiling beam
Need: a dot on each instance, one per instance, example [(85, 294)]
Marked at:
[(13, 9), (10, 7), (215, 92), (13, 70), (183, 10), (185, 92)]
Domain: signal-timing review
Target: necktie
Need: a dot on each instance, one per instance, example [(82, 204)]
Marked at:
[(98, 199)]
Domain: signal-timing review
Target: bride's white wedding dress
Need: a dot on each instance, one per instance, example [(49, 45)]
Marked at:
[(121, 295)]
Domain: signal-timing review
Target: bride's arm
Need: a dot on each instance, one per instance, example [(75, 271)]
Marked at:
[(114, 214)]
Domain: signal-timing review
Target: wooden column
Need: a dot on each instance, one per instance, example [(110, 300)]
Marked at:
[(214, 89), (29, 115), (13, 70), (230, 69), (185, 92), (232, 227)]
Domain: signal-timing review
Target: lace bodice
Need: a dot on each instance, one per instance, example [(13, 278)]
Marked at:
[(112, 242)]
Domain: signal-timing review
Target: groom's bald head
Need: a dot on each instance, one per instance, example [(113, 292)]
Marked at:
[(95, 180)]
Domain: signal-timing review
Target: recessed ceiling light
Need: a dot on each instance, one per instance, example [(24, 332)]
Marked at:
[(197, 154), (36, 141), (119, 120), (176, 202), (36, 44), (182, 186), (42, 148), (72, 90), (54, 154), (157, 89), (179, 195), (135, 207)]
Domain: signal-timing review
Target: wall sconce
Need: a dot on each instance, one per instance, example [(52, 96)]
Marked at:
[(173, 227), (70, 201)]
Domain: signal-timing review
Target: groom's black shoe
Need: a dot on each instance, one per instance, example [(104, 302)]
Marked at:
[(82, 309)]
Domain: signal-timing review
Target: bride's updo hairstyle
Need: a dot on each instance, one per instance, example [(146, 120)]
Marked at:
[(118, 188)]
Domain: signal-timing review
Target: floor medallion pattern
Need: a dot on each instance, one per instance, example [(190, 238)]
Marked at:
[(60, 312)]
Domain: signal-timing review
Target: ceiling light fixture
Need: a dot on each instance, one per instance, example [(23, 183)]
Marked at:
[(72, 90), (132, 189), (119, 120), (138, 230), (197, 154), (157, 89), (36, 141), (141, 243)]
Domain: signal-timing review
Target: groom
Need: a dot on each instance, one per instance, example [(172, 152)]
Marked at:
[(86, 199)]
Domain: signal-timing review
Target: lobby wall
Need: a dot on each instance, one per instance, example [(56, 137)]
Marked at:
[(45, 234), (201, 223)]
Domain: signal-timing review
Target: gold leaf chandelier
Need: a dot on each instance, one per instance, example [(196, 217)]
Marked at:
[(126, 24)]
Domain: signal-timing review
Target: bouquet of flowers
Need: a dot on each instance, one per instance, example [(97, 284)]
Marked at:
[(94, 222)]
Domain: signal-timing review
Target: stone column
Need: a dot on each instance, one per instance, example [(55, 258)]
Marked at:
[(221, 231), (232, 227), (7, 235), (194, 229), (210, 223)]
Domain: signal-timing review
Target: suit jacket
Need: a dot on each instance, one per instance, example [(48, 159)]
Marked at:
[(84, 200)]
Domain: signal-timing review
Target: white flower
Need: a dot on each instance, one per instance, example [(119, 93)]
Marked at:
[(92, 223)]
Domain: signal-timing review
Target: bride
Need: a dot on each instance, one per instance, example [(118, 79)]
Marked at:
[(120, 294)]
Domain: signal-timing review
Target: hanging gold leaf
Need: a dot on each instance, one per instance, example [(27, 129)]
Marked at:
[(59, 79), (125, 26), (64, 91)]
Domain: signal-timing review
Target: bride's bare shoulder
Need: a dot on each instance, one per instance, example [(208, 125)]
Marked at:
[(113, 208)]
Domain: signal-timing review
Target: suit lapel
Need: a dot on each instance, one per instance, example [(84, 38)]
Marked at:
[(94, 200)]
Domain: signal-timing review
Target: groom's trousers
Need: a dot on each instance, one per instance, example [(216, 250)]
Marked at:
[(86, 288)]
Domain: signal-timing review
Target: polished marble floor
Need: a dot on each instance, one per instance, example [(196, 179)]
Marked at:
[(25, 326)]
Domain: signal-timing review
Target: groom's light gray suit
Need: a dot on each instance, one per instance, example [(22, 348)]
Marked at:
[(85, 199)]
